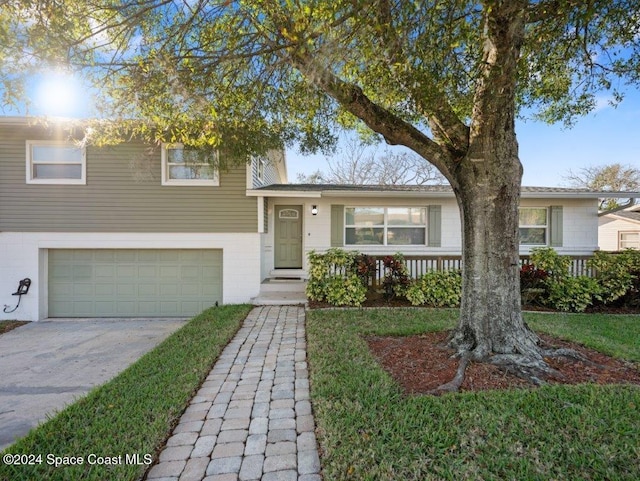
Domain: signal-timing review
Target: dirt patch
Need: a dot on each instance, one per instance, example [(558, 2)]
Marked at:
[(6, 326), (421, 364)]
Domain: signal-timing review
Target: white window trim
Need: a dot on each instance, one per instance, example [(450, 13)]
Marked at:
[(55, 143), (165, 172), (637, 233), (261, 169), (385, 225), (535, 226)]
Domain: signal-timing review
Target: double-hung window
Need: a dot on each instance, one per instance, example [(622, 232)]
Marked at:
[(53, 162), (629, 240), (385, 225), (188, 166), (534, 226)]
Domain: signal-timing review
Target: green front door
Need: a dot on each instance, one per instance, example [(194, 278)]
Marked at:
[(133, 282), (288, 237)]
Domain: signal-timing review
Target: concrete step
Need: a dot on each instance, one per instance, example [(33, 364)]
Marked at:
[(288, 274), (283, 285), (279, 299)]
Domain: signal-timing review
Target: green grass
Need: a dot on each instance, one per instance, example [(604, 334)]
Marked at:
[(616, 335), (134, 412), (369, 430)]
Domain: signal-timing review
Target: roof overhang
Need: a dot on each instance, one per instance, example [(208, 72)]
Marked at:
[(280, 193), (527, 193)]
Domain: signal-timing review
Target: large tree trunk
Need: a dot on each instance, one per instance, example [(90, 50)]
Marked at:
[(487, 186), (490, 316)]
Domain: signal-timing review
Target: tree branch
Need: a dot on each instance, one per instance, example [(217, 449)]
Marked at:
[(394, 130), (442, 120)]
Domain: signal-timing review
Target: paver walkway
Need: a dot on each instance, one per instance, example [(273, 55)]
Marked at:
[(251, 419)]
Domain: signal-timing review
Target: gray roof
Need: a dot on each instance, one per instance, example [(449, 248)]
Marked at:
[(440, 190), (634, 216)]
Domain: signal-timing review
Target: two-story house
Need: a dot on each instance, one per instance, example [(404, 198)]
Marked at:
[(135, 230)]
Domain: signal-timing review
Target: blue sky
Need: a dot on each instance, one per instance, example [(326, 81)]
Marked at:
[(547, 152)]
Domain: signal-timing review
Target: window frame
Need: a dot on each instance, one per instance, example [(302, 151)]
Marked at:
[(385, 226), (30, 179), (166, 180), (261, 169), (620, 233), (546, 227)]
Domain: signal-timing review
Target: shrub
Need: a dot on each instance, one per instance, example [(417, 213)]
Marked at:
[(532, 284), (338, 277), (436, 289), (396, 276), (563, 291), (572, 294), (532, 277), (349, 291), (617, 274), (548, 260)]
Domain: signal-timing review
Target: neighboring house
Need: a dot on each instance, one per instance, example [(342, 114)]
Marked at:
[(620, 229), (135, 231)]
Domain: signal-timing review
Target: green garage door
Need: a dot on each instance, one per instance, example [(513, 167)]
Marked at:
[(133, 282)]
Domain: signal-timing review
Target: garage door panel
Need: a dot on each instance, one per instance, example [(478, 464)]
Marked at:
[(125, 255), (104, 308), (104, 290), (82, 255), (169, 272), (169, 308), (124, 308), (107, 256), (104, 270), (129, 282), (83, 289), (147, 271), (81, 272), (124, 271)]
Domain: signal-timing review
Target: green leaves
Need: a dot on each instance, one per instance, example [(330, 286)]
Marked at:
[(334, 278), (437, 289)]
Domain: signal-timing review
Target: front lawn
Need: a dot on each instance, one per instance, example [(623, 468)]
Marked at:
[(369, 430), (131, 416)]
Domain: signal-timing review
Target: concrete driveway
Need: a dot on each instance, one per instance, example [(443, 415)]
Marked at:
[(48, 364)]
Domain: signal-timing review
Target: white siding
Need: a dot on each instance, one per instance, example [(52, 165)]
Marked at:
[(580, 225), (25, 255), (609, 229)]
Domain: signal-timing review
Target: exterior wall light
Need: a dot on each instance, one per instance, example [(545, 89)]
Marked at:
[(314, 210)]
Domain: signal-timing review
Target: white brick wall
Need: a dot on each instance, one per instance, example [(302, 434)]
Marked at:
[(25, 255)]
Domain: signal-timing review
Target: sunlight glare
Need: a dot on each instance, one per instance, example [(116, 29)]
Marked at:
[(58, 95)]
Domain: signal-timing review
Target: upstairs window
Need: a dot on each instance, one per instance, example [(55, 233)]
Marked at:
[(261, 169), (385, 225), (534, 226), (52, 162), (186, 166)]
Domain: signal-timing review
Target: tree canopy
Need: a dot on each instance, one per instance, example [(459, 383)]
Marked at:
[(444, 78), (206, 72)]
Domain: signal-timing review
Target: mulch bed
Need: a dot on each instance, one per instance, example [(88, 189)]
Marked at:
[(421, 364)]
